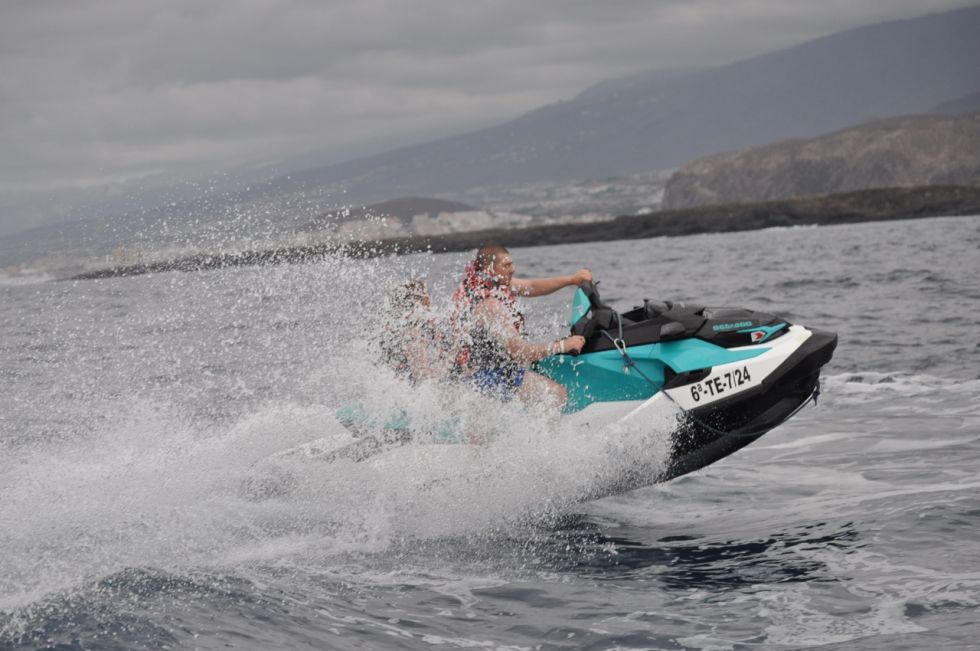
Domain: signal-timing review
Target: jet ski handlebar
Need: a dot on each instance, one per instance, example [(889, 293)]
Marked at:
[(591, 292), (586, 319)]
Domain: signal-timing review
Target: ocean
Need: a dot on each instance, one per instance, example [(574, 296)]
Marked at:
[(142, 504)]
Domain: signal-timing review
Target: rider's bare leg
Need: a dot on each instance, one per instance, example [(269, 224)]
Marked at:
[(540, 390)]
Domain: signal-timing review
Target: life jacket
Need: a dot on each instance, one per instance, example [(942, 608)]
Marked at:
[(477, 348)]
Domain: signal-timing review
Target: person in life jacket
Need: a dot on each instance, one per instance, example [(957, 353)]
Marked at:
[(492, 348)]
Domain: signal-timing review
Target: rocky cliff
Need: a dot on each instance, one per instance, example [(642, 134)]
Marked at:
[(896, 152)]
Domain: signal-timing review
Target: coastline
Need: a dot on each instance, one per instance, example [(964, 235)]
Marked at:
[(885, 204)]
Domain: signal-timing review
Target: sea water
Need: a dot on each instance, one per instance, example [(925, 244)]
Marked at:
[(143, 504)]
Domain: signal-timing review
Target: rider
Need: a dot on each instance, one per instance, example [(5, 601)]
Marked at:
[(413, 344), (493, 350)]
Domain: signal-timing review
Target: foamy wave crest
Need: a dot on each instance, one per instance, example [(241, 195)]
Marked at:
[(183, 461), (151, 491), (871, 383), (29, 278)]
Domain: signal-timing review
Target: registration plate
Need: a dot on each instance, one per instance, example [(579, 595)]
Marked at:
[(715, 386)]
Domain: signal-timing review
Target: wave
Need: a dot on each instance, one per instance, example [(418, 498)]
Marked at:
[(152, 489), (21, 279), (797, 227), (903, 383)]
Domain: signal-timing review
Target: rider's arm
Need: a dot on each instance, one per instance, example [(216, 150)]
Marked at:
[(543, 286), (494, 317), (421, 355)]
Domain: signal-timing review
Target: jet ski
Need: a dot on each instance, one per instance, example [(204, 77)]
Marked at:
[(733, 373)]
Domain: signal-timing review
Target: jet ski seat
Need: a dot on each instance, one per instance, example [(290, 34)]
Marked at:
[(725, 313), (653, 309)]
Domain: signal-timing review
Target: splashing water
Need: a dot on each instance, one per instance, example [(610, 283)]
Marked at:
[(137, 414), (190, 385)]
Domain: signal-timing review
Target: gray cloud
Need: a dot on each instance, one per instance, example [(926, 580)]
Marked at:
[(98, 92)]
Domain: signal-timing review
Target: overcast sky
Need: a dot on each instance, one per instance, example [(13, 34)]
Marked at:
[(96, 93)]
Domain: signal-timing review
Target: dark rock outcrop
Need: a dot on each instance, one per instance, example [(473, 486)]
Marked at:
[(896, 152), (868, 205)]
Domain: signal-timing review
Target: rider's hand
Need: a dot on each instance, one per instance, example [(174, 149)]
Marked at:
[(573, 344), (582, 276)]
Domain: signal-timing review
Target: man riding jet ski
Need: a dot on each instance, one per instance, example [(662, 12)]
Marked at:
[(733, 374)]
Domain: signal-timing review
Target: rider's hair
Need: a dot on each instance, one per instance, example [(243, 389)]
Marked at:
[(407, 295), (486, 255)]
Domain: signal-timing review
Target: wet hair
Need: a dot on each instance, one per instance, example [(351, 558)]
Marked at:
[(407, 295), (488, 254)]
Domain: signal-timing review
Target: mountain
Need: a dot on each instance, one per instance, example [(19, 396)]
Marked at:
[(660, 121), (407, 216), (895, 152), (217, 223), (406, 208), (966, 104), (627, 131)]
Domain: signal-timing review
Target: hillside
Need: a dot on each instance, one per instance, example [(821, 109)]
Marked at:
[(659, 121), (849, 208), (896, 152), (600, 154), (966, 104), (407, 217), (171, 232)]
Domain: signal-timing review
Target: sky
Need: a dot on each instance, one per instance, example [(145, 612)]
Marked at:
[(99, 97)]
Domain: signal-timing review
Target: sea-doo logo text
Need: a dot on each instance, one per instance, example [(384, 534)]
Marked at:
[(723, 327)]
